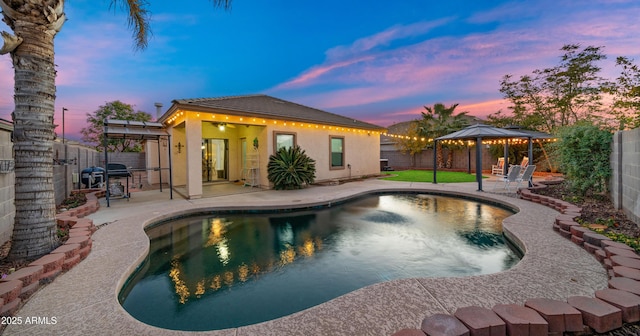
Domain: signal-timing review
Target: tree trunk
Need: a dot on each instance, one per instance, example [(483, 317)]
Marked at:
[(34, 230), (439, 158)]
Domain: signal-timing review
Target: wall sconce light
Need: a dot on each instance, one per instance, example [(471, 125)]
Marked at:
[(221, 127), (179, 146)]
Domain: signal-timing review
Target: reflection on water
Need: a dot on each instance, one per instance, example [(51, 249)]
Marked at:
[(217, 272)]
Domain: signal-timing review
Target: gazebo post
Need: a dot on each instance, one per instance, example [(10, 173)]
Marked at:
[(505, 164), (159, 165), (170, 168), (530, 160), (479, 162), (106, 162), (435, 159), (468, 158)]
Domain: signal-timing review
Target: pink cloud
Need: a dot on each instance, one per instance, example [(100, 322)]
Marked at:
[(484, 108), (6, 87), (454, 68), (384, 38), (316, 72)]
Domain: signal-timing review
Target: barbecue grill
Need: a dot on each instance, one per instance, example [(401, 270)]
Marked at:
[(115, 188), (118, 170)]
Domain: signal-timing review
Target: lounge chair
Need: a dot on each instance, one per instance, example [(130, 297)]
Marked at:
[(526, 176), (497, 169), (512, 176), (524, 163)]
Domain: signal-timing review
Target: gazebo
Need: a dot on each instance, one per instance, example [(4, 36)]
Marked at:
[(477, 133), (136, 130)]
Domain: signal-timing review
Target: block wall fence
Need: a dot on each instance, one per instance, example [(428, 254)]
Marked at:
[(78, 157), (625, 178)]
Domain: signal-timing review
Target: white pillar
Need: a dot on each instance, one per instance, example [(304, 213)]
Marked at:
[(194, 157)]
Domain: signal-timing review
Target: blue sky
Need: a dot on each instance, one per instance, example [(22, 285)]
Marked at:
[(378, 61)]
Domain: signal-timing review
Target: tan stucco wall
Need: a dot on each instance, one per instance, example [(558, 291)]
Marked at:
[(178, 136), (362, 148), (362, 151)]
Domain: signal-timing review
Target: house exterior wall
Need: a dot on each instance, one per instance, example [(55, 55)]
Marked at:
[(178, 154), (361, 152), (361, 148)]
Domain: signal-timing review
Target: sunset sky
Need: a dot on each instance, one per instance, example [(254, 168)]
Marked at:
[(377, 61)]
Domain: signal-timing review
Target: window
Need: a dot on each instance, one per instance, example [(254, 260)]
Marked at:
[(337, 152), (284, 140)]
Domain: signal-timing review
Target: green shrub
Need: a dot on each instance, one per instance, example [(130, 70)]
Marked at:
[(291, 168), (584, 152)]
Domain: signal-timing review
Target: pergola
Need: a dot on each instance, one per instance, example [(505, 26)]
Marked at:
[(477, 133), (141, 131)]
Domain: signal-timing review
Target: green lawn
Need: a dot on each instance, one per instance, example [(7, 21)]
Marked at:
[(427, 176)]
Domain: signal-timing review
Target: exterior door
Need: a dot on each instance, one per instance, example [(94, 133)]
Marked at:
[(215, 160)]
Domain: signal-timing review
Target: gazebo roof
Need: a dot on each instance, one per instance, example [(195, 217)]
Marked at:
[(136, 130), (483, 131), (534, 134)]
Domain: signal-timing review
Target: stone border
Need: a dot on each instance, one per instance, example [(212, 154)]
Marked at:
[(17, 287), (607, 311)]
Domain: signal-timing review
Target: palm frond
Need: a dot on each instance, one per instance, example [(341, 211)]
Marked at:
[(139, 17)]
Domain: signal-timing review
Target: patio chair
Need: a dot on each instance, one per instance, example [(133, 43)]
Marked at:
[(512, 176), (526, 176), (524, 163), (496, 169)]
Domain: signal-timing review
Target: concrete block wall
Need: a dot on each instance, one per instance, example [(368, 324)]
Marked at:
[(131, 160), (79, 158), (424, 160), (625, 179)]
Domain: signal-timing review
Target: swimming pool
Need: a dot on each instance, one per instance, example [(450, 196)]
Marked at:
[(227, 270)]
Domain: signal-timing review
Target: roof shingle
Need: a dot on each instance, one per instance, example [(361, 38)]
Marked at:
[(263, 106)]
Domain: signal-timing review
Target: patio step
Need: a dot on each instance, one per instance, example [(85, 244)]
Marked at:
[(443, 324), (481, 321), (617, 260), (560, 315), (597, 314), (611, 251), (69, 250), (52, 266), (626, 272), (10, 291), (628, 303), (522, 320), (409, 332), (612, 243), (625, 284)]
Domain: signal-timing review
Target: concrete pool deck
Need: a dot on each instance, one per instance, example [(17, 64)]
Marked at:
[(84, 300)]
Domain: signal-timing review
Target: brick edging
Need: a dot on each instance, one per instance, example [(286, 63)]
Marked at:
[(607, 311), (17, 287)]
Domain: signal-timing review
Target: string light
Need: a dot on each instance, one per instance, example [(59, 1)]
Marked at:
[(287, 123)]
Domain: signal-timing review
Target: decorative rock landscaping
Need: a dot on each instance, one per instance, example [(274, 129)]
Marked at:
[(17, 287), (607, 311)]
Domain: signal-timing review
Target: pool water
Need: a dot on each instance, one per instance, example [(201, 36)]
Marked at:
[(230, 270)]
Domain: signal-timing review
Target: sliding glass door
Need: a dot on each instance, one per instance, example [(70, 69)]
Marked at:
[(215, 157)]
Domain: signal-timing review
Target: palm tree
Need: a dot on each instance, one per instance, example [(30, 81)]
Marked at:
[(439, 121), (35, 23)]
